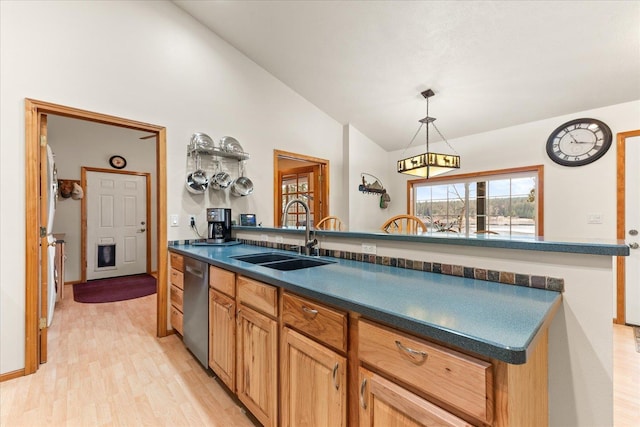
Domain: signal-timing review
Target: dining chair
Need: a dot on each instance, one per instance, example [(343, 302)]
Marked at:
[(404, 224), (330, 222)]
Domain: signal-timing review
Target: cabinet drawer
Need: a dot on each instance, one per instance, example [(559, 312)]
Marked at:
[(176, 297), (323, 323), (222, 280), (452, 377), (258, 295), (176, 319), (176, 261), (177, 278)]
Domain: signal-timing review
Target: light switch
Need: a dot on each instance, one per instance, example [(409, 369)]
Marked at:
[(174, 220), (594, 218)]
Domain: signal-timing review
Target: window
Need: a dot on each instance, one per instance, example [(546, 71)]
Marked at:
[(505, 202)]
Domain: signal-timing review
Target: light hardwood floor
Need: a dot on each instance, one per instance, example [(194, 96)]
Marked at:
[(626, 378), (106, 367)]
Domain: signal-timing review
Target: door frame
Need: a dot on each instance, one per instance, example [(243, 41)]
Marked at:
[(621, 226), (324, 183), (83, 216), (33, 111)]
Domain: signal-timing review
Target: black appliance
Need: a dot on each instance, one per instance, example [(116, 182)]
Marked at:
[(219, 230)]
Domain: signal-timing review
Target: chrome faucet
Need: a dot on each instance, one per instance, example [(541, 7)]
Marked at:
[(309, 242)]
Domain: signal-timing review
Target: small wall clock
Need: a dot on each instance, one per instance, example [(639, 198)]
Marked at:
[(579, 142), (117, 162)]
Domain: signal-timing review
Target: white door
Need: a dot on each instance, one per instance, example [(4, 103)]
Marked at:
[(632, 221), (116, 224)]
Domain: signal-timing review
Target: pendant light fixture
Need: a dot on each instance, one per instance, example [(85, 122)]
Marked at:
[(429, 164)]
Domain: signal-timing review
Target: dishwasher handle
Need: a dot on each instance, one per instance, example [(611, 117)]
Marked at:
[(196, 272)]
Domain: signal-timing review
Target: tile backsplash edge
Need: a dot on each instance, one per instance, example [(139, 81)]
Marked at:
[(504, 277)]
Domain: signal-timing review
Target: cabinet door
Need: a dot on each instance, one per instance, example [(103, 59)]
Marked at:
[(313, 383), (386, 404), (222, 337), (256, 371)]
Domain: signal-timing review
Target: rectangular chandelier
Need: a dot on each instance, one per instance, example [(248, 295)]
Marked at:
[(428, 165)]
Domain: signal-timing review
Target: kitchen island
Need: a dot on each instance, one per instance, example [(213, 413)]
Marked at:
[(490, 337), (581, 335)]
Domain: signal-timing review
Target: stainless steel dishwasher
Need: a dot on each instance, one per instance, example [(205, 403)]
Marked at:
[(196, 309)]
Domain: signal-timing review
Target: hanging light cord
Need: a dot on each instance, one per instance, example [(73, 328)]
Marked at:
[(412, 139), (435, 127)]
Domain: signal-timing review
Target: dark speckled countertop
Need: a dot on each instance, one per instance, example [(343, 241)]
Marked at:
[(486, 318)]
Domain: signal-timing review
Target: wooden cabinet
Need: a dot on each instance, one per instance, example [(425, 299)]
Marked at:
[(384, 403), (316, 320), (257, 349), (176, 277), (222, 337), (454, 378), (313, 375), (314, 383)]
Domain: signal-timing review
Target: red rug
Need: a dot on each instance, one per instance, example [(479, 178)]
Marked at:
[(114, 289)]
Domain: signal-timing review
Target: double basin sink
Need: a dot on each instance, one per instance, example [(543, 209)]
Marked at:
[(282, 262)]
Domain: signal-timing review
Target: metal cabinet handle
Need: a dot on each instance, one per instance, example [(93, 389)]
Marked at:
[(310, 311), (363, 402), (416, 356), (335, 372)]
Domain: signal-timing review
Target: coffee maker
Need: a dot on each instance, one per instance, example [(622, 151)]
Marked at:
[(219, 230)]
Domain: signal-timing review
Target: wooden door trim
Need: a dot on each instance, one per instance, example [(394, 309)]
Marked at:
[(33, 108), (83, 215), (324, 171), (620, 222)]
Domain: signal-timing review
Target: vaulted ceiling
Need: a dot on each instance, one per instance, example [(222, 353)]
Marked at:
[(492, 64)]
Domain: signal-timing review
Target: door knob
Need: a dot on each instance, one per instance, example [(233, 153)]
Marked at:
[(633, 232), (142, 230), (634, 245)]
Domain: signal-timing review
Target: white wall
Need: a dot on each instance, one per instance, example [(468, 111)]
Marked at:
[(570, 193), (366, 156), (150, 62), (78, 143)]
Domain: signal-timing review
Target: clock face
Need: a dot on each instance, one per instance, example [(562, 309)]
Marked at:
[(117, 162), (579, 142)]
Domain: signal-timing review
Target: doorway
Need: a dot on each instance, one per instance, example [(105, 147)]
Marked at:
[(35, 282), (115, 218), (628, 227), (297, 176)]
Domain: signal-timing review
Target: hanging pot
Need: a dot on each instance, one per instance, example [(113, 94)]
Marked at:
[(242, 186), (197, 181), (220, 180)]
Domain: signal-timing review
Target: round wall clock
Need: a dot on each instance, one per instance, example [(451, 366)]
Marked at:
[(579, 142), (117, 162)]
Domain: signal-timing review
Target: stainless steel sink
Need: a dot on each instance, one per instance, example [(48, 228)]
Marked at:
[(282, 262)]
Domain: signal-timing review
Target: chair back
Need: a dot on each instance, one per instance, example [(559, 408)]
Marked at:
[(332, 223), (404, 224)]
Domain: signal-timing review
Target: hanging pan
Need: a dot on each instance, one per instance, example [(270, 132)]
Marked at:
[(242, 186), (197, 181)]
